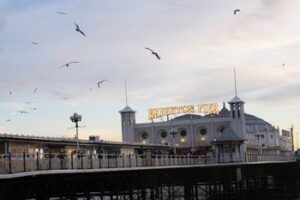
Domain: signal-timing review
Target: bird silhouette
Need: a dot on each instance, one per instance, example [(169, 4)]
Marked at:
[(23, 112), (35, 43), (68, 64), (236, 10), (61, 13), (10, 92), (78, 30), (27, 102), (100, 82), (35, 90), (153, 52), (8, 120), (34, 108)]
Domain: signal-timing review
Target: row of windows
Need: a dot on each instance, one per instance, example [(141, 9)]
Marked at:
[(182, 133)]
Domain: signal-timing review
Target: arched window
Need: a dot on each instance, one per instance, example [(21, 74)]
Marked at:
[(144, 135), (183, 133)]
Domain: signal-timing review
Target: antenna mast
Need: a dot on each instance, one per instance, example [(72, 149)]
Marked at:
[(235, 83), (125, 92)]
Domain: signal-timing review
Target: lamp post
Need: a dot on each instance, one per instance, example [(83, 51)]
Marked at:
[(259, 142), (173, 132), (292, 137), (76, 118)]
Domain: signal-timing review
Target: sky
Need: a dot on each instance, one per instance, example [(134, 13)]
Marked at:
[(200, 43)]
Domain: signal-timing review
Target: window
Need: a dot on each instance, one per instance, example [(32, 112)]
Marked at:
[(203, 131), (183, 133), (221, 128), (229, 148), (144, 135), (163, 134)]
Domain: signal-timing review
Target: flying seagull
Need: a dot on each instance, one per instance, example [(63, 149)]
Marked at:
[(236, 10), (35, 43), (61, 13), (68, 64), (100, 82), (34, 108), (35, 90), (8, 120), (27, 102), (78, 30), (154, 53), (23, 112), (10, 92)]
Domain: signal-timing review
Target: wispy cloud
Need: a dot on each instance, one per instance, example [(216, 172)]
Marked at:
[(200, 43)]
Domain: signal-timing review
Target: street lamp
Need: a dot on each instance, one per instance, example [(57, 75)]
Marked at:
[(292, 136), (259, 137), (173, 132), (76, 118)]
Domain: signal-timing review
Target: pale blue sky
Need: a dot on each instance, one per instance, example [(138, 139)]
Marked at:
[(200, 42)]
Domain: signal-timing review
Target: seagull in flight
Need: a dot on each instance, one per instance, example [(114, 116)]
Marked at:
[(68, 64), (236, 10), (10, 92), (35, 90), (100, 82), (78, 30), (153, 52), (34, 108), (27, 102), (23, 112), (61, 13), (8, 120), (35, 43)]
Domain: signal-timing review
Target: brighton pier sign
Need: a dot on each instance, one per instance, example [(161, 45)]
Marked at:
[(154, 113)]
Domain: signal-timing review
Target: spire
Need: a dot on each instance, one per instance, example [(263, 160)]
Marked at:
[(125, 92), (235, 99), (235, 83)]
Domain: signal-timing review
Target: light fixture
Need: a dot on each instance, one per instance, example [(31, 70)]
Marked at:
[(76, 118)]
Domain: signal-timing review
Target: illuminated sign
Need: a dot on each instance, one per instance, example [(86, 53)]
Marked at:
[(154, 113)]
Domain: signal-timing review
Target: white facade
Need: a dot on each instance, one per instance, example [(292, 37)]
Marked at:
[(194, 131)]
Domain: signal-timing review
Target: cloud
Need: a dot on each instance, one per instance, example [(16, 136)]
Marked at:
[(285, 93), (200, 43)]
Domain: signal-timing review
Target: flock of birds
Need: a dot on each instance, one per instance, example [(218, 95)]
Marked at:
[(69, 64), (100, 82)]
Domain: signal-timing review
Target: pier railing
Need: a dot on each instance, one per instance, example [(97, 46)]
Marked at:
[(14, 163)]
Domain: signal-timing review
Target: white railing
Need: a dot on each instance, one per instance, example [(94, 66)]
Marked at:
[(66, 139), (265, 157), (14, 163)]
